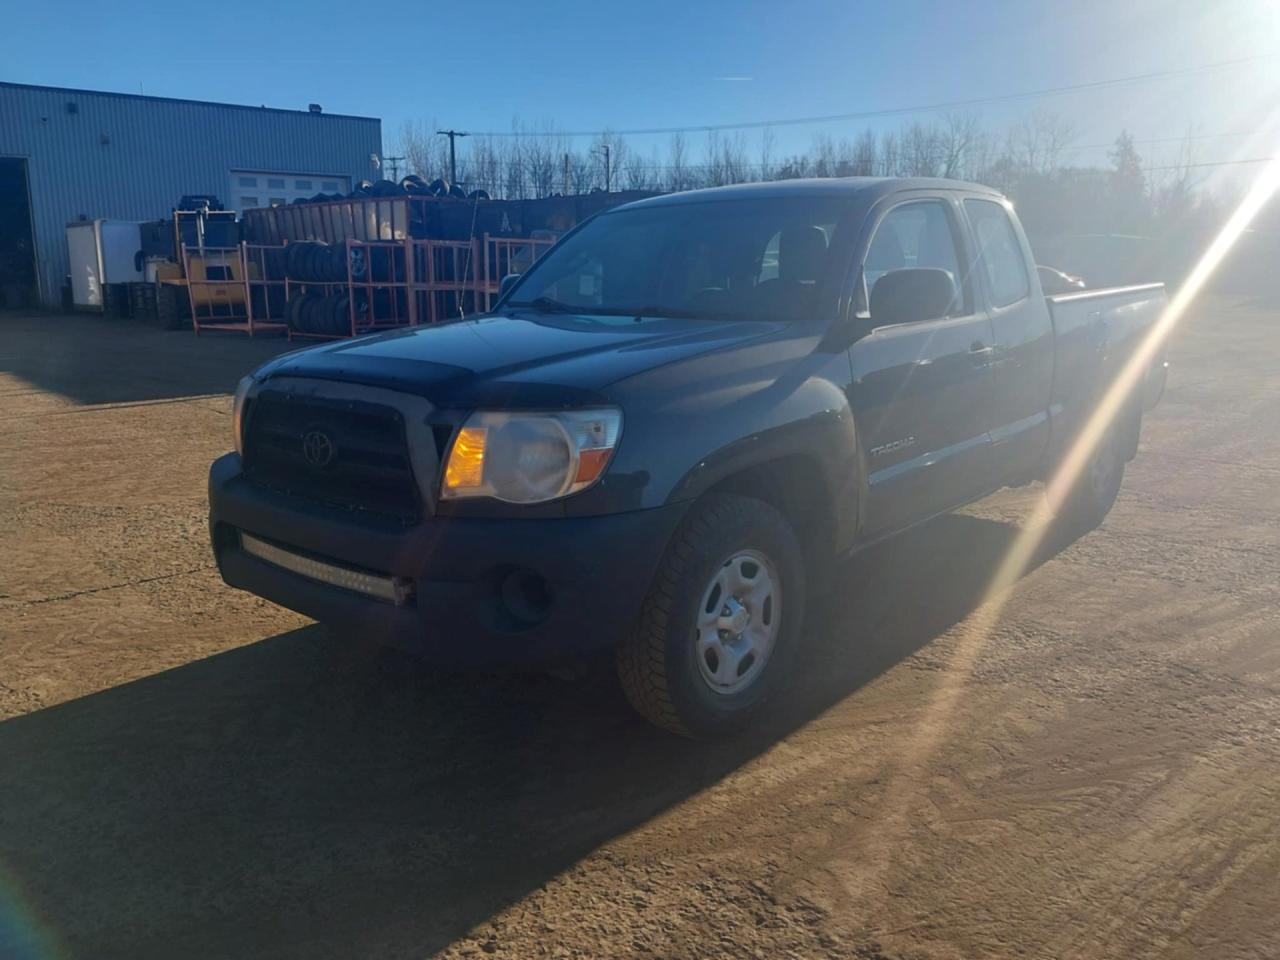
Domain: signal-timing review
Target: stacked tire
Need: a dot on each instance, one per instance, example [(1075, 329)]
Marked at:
[(314, 262), (319, 314)]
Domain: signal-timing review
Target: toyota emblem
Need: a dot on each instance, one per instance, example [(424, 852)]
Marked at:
[(317, 449)]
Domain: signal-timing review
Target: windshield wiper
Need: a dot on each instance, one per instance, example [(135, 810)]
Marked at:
[(546, 305), (671, 313)]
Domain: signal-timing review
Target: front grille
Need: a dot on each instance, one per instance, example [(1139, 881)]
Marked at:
[(340, 452)]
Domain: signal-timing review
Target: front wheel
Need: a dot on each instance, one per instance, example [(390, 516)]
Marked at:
[(720, 624)]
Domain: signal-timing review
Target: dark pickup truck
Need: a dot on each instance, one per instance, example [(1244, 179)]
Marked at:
[(668, 431)]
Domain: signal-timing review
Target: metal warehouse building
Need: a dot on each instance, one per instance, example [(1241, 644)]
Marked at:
[(72, 154)]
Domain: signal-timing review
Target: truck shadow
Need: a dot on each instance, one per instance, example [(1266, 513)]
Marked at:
[(296, 797), (96, 359)]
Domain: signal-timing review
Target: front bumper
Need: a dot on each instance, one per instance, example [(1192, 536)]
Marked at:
[(595, 570)]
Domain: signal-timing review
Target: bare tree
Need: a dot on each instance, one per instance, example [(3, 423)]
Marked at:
[(541, 156), (921, 149), (678, 177), (641, 175), (1038, 142), (767, 147), (890, 155), (824, 155), (957, 138), (1173, 189), (423, 150), (583, 168), (865, 154)]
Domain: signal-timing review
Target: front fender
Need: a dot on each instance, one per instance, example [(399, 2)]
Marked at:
[(819, 450)]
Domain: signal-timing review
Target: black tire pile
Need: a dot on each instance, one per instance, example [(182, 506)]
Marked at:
[(412, 186), (317, 313), (326, 312), (316, 262)]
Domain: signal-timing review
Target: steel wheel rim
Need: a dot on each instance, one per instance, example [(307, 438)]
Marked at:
[(738, 622)]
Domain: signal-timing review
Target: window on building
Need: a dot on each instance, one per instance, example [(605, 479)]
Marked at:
[(274, 188), (248, 181)]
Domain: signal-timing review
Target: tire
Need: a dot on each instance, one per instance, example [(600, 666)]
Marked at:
[(337, 316), (359, 264), (1086, 504), (301, 313), (292, 252), (169, 312), (671, 668)]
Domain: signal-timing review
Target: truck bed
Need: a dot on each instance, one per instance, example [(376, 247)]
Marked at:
[(1095, 331)]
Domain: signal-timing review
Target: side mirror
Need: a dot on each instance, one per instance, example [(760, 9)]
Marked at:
[(905, 296), (508, 282)]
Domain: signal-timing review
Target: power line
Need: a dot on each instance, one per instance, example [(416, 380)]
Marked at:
[(894, 111), (519, 167), (1183, 139)]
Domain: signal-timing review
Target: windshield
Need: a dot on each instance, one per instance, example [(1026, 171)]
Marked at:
[(764, 259)]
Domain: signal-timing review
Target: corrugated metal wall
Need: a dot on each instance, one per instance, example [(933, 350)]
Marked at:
[(132, 157)]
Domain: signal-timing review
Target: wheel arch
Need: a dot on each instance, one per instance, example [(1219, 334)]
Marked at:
[(812, 482)]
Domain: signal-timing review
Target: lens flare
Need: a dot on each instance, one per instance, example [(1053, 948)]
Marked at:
[(931, 730)]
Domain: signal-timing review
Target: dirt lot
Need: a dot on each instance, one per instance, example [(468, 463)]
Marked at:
[(188, 772)]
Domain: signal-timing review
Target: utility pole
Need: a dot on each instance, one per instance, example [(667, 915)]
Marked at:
[(566, 174), (394, 164), (453, 157), (608, 169)]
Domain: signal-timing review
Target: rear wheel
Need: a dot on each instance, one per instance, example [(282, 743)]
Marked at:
[(719, 627), (1084, 505)]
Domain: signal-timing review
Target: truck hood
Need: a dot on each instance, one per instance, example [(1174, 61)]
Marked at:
[(518, 359)]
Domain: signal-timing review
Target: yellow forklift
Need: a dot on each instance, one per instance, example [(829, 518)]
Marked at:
[(191, 266)]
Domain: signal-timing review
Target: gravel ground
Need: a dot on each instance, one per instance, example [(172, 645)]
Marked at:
[(186, 771)]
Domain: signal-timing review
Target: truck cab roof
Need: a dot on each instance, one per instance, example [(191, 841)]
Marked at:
[(868, 189)]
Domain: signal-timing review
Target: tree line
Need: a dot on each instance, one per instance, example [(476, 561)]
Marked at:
[(1031, 161)]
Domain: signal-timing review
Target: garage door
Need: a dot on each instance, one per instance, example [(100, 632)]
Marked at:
[(250, 189)]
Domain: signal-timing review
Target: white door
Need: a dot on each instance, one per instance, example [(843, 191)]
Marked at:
[(84, 257)]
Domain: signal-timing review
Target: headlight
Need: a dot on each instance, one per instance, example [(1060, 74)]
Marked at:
[(530, 457), (237, 412)]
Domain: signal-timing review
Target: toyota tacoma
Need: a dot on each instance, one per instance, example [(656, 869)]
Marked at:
[(670, 428)]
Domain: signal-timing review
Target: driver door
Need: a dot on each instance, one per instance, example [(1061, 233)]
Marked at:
[(921, 391)]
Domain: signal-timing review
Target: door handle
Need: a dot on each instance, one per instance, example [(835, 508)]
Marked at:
[(980, 353)]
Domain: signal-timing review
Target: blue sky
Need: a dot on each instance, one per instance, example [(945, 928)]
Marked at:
[(590, 65)]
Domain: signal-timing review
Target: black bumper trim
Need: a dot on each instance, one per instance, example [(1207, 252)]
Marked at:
[(597, 571)]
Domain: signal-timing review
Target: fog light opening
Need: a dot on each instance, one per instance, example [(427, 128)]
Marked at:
[(525, 596)]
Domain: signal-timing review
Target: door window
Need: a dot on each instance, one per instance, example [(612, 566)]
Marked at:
[(916, 234), (999, 252)]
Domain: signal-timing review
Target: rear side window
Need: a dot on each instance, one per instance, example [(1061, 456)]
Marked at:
[(999, 252)]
